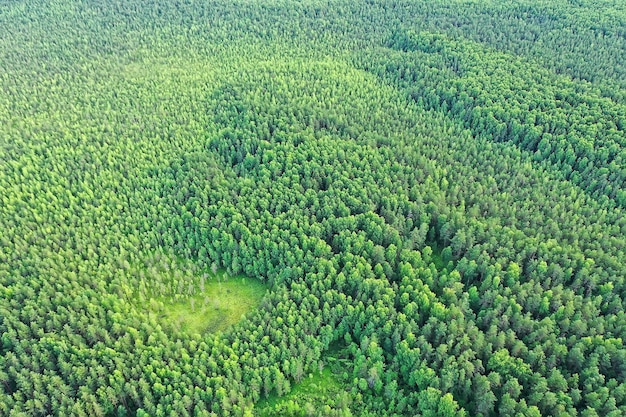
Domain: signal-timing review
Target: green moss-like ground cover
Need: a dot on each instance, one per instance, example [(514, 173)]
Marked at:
[(319, 394), (322, 393), (222, 304)]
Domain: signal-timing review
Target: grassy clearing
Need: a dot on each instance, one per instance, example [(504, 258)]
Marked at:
[(321, 393), (315, 395), (221, 305), (437, 256)]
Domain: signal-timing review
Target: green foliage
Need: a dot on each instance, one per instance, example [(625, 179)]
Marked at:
[(218, 307), (319, 393), (437, 184)]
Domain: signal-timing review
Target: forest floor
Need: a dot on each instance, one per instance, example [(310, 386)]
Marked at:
[(319, 393), (220, 306), (313, 390)]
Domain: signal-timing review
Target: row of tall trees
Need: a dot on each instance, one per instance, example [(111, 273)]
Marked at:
[(566, 124)]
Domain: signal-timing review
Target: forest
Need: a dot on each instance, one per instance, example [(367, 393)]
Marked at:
[(313, 208)]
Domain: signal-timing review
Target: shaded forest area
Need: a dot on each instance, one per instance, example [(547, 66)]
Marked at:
[(432, 192)]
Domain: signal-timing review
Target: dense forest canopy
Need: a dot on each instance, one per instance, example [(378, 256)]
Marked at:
[(281, 208)]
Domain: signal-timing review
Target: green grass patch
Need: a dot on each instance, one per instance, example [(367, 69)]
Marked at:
[(222, 304), (321, 393), (437, 255)]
